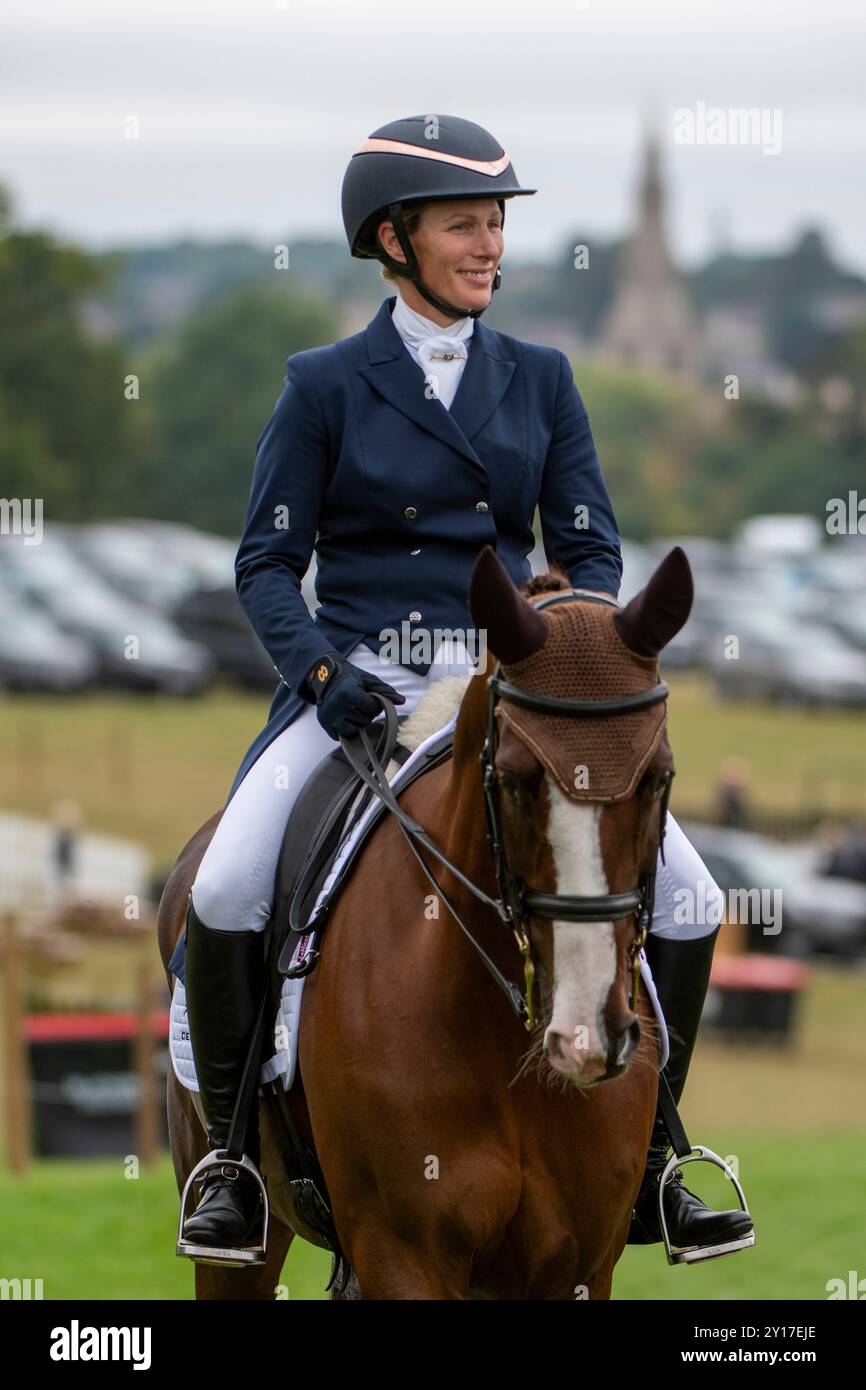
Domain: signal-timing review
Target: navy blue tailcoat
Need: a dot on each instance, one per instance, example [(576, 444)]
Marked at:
[(398, 494)]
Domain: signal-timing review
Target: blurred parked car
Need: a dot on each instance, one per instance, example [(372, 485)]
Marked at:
[(35, 655), (155, 562), (40, 571), (215, 618), (134, 563), (790, 661), (849, 620), (82, 604), (819, 916), (136, 648)]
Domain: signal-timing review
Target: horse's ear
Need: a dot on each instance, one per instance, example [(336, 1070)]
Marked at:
[(514, 628), (656, 614)]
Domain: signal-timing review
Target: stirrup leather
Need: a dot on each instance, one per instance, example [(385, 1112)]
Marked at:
[(241, 1256), (691, 1254)]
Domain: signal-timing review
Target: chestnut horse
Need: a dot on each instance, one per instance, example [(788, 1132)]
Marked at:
[(463, 1158)]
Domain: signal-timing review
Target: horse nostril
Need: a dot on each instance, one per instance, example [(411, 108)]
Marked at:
[(559, 1048), (626, 1041), (552, 1045)]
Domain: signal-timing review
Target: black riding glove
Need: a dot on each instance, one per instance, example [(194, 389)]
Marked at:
[(341, 692)]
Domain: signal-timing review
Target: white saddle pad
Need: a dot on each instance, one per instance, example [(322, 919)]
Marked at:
[(286, 1025)]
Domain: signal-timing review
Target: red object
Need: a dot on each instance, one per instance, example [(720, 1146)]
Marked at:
[(759, 972), (90, 1027)]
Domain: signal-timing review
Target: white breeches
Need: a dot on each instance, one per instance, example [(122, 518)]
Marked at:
[(234, 886)]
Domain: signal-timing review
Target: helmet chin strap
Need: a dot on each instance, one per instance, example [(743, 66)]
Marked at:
[(410, 269)]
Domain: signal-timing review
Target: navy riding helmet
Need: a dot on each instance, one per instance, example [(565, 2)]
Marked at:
[(418, 159)]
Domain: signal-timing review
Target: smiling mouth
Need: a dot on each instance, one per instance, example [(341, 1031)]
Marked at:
[(477, 277)]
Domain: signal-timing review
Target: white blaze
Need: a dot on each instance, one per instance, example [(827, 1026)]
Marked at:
[(584, 953)]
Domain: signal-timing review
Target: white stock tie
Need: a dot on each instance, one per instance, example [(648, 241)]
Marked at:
[(441, 358), (441, 353)]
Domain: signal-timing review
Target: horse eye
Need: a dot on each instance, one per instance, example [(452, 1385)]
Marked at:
[(656, 783), (515, 785)]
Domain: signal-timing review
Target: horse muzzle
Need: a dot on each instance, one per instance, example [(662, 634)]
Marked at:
[(589, 1067)]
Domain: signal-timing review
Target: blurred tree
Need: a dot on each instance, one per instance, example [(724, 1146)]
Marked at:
[(6, 207), (208, 394), (836, 384), (28, 466), (674, 467), (648, 430), (63, 426), (770, 458)]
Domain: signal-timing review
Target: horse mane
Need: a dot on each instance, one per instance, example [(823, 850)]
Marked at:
[(550, 582), (436, 706)]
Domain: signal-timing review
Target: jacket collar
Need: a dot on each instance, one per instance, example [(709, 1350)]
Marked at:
[(394, 374)]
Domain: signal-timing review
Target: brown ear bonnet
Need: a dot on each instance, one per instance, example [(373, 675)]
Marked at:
[(591, 758)]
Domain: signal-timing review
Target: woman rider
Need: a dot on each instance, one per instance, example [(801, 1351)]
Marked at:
[(398, 479)]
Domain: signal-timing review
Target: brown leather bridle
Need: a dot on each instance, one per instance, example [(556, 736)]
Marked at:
[(523, 903), (516, 903)]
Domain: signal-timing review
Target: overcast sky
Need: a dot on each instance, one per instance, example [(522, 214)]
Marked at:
[(248, 111)]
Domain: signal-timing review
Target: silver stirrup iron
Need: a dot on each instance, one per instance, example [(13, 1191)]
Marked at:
[(690, 1254), (244, 1255)]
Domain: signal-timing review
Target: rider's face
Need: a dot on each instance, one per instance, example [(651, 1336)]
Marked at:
[(458, 244)]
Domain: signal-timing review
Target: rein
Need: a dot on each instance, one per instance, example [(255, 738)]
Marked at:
[(516, 903)]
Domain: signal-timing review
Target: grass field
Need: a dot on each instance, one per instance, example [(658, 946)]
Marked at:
[(89, 1233)]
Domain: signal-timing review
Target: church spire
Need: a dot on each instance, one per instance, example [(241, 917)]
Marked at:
[(650, 322)]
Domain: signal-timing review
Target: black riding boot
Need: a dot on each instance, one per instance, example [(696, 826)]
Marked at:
[(224, 979), (681, 971)]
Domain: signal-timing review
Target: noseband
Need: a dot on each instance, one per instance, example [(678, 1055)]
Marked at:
[(521, 903), (516, 904)]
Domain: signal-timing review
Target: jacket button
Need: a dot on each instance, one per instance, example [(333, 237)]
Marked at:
[(481, 507), (415, 552), (410, 513), (414, 616)]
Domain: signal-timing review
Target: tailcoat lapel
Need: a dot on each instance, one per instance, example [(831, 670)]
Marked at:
[(400, 380)]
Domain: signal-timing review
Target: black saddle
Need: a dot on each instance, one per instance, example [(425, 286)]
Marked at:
[(329, 805)]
